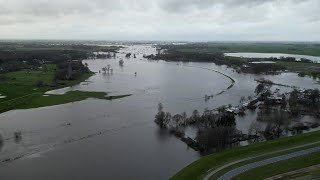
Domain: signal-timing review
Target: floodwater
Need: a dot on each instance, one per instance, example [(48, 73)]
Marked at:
[(118, 139), (274, 55)]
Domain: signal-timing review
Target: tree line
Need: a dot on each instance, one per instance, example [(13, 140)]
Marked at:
[(215, 128), (218, 59)]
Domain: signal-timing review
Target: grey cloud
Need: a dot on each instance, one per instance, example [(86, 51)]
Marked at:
[(57, 7), (64, 7), (159, 19), (178, 5)]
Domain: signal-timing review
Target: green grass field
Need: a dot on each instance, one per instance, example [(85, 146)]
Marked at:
[(301, 49), (310, 172), (281, 167), (23, 82), (40, 100), (22, 93), (242, 163), (199, 168)]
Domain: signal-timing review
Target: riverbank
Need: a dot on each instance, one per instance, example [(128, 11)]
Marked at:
[(200, 168)]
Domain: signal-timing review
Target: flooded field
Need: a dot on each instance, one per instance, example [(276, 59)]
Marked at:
[(118, 139)]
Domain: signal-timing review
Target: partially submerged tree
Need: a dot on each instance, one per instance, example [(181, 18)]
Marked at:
[(121, 62), (128, 55), (255, 129), (260, 88), (278, 122), (242, 99), (17, 136), (215, 139), (160, 117), (294, 102), (177, 119)]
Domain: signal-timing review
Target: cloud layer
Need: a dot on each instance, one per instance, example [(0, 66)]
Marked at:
[(192, 20)]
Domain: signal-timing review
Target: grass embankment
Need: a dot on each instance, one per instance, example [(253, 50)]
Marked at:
[(199, 168), (282, 167), (301, 49), (22, 93), (311, 172), (260, 158)]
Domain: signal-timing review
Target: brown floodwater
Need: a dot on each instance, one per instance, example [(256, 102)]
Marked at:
[(118, 139)]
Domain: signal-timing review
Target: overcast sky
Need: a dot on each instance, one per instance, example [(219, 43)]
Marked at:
[(190, 20)]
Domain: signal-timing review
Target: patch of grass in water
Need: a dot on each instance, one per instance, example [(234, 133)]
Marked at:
[(40, 100), (22, 93)]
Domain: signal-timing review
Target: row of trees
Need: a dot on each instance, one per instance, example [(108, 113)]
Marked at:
[(18, 60), (218, 59), (62, 72), (306, 101), (108, 55), (279, 114), (258, 68), (216, 128), (16, 56), (277, 121), (208, 119)]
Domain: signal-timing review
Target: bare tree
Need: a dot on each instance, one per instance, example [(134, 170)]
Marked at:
[(160, 116), (195, 116), (177, 119), (104, 69), (260, 88), (160, 107), (121, 62), (242, 99), (167, 118), (184, 118), (255, 129), (215, 139)]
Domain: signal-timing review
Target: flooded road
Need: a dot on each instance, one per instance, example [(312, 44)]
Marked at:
[(118, 139)]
